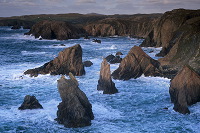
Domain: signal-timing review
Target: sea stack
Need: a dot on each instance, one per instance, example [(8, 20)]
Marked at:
[(68, 60), (136, 63), (30, 102), (75, 110), (185, 89), (105, 82)]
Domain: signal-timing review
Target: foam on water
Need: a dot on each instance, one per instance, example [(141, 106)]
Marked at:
[(138, 107)]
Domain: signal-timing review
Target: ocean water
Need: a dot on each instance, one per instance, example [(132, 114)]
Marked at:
[(138, 107)]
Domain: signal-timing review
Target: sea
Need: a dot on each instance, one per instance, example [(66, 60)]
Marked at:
[(142, 105)]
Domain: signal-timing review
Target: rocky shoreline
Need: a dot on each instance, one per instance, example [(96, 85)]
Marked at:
[(176, 31)]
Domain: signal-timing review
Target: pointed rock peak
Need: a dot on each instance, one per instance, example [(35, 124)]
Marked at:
[(105, 82), (71, 76)]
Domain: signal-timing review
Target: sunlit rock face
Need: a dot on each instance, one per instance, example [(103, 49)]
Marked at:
[(185, 89)]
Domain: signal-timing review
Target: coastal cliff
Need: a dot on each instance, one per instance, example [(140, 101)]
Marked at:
[(177, 32)]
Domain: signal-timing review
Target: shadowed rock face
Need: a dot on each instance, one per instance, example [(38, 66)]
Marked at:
[(30, 102), (185, 90), (75, 110), (105, 82), (178, 33), (68, 60), (54, 30), (136, 63)]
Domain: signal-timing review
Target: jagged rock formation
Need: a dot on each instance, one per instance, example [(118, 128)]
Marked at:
[(136, 63), (178, 33), (75, 110), (59, 30), (87, 63), (68, 60), (105, 82), (30, 102), (185, 89)]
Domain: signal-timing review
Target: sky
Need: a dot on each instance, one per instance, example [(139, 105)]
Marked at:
[(27, 7)]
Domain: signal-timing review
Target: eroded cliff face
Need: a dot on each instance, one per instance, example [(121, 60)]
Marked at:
[(178, 33), (135, 26), (54, 30)]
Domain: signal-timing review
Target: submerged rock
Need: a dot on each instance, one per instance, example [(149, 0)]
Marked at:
[(30, 102), (75, 110), (68, 60), (105, 82), (185, 89), (136, 63)]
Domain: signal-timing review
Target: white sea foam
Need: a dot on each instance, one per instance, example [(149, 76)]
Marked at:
[(32, 53)]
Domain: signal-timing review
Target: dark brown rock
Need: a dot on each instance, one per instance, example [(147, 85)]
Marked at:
[(30, 102), (185, 89), (68, 60), (105, 82), (118, 54), (87, 63), (75, 110), (16, 27), (136, 63), (59, 30), (113, 59), (177, 32), (96, 41)]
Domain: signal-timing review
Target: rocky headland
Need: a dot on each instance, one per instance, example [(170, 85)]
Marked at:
[(54, 30), (177, 32), (68, 60)]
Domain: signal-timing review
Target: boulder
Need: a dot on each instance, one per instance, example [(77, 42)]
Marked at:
[(185, 89), (105, 82), (113, 59), (59, 30), (136, 63), (30, 102), (87, 63), (68, 60), (75, 110)]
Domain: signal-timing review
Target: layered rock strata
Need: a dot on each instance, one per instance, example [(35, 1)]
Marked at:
[(68, 60), (75, 109), (177, 32), (136, 63)]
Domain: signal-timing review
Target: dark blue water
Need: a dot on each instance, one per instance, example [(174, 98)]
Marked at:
[(138, 107)]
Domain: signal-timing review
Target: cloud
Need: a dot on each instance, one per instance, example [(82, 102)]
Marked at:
[(26, 7), (85, 1)]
